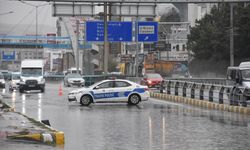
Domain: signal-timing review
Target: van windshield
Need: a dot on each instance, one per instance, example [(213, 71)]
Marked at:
[(245, 74), (31, 72)]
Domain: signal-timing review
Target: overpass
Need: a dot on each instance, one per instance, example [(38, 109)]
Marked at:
[(13, 49), (50, 42)]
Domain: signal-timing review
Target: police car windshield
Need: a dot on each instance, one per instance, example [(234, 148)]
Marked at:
[(245, 74)]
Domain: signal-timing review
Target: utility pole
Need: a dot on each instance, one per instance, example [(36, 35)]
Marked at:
[(36, 31), (106, 50), (231, 36), (77, 46)]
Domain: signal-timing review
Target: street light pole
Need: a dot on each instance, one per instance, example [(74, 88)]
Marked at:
[(36, 6), (36, 31)]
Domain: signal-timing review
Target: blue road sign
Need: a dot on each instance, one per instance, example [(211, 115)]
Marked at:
[(8, 56), (147, 31), (117, 31)]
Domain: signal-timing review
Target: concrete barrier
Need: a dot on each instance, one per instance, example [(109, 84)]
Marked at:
[(50, 138), (201, 103)]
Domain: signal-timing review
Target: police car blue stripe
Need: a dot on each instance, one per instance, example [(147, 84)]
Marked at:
[(116, 94)]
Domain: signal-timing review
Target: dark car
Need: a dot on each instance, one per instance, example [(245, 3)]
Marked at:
[(152, 80)]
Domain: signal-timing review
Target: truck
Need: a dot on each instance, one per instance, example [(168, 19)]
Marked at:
[(32, 75)]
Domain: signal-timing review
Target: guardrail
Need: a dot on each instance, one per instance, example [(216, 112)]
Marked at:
[(233, 95), (221, 81)]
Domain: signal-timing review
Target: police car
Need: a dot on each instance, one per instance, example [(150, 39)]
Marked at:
[(117, 90)]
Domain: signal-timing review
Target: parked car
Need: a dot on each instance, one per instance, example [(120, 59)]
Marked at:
[(6, 74), (116, 90), (15, 81), (73, 79), (2, 81), (152, 80)]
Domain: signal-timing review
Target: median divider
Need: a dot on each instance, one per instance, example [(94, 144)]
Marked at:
[(24, 128), (201, 103)]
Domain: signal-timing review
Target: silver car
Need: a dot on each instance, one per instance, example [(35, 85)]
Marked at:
[(73, 79)]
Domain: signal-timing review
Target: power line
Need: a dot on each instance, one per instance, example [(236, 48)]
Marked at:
[(19, 22)]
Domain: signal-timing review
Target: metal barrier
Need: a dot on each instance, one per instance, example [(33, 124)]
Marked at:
[(234, 95), (221, 81)]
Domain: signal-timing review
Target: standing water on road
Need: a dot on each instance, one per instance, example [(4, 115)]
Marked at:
[(149, 126)]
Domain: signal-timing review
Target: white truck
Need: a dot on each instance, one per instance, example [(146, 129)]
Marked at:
[(32, 75)]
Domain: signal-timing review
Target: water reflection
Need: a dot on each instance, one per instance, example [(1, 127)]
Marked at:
[(13, 100), (23, 103), (39, 104), (150, 131)]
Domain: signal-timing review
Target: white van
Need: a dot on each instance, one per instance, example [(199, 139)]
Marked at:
[(239, 75), (32, 75), (74, 70)]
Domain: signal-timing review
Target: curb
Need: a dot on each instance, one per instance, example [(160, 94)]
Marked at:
[(50, 137), (201, 103)]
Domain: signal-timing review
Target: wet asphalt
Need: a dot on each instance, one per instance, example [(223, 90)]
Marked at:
[(152, 125)]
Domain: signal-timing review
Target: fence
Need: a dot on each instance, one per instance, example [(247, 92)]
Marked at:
[(234, 95)]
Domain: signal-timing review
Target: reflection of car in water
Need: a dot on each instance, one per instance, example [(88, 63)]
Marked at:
[(15, 81), (73, 79), (152, 80), (116, 90), (2, 81)]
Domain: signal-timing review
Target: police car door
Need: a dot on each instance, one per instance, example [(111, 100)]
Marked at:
[(104, 91), (122, 89)]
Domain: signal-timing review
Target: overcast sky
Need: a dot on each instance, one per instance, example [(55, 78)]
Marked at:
[(25, 14)]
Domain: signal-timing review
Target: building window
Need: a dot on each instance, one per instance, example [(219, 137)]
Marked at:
[(177, 47), (183, 47)]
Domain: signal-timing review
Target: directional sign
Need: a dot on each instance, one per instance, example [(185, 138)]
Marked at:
[(8, 56), (147, 31), (117, 31)]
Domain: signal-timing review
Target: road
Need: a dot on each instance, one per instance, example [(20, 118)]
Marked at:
[(151, 125)]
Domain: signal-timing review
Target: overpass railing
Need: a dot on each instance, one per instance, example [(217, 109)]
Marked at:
[(220, 93)]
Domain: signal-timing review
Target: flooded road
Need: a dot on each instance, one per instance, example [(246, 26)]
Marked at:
[(151, 125)]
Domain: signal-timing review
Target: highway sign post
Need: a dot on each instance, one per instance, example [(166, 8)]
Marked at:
[(117, 31)]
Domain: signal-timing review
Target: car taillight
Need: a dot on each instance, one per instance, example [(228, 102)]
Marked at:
[(146, 89)]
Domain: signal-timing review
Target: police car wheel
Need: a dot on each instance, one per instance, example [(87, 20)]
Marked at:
[(134, 99), (85, 100)]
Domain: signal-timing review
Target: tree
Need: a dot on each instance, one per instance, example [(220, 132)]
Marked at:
[(209, 38)]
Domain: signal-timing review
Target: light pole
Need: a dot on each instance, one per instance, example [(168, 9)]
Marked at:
[(36, 6)]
